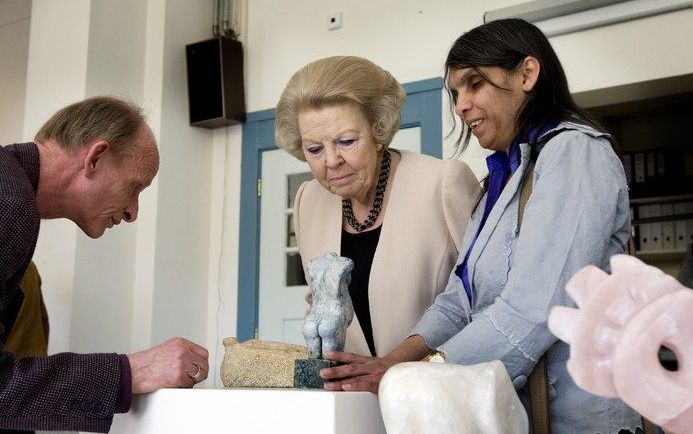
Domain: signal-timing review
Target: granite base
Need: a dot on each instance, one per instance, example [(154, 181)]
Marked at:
[(307, 372)]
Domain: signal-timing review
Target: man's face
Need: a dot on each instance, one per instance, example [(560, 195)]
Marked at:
[(113, 194)]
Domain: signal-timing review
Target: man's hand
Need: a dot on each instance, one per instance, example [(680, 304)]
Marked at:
[(175, 363), (357, 374)]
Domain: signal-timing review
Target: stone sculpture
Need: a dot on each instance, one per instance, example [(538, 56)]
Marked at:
[(421, 397), (332, 311), (257, 363), (616, 333)]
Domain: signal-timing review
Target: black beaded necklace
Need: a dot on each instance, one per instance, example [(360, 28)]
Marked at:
[(377, 200)]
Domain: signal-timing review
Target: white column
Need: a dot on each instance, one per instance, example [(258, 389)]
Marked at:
[(105, 268), (56, 75)]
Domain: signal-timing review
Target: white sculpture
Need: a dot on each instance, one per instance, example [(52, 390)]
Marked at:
[(616, 333), (421, 397)]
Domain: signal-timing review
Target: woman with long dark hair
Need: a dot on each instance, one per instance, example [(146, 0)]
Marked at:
[(510, 92)]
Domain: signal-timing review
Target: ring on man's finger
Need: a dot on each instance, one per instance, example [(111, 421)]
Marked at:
[(197, 373)]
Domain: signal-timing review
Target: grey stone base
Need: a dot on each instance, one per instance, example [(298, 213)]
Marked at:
[(307, 372)]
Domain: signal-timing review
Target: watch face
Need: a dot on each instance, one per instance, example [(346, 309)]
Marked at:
[(437, 358)]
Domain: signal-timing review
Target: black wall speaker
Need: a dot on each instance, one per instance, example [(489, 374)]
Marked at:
[(215, 82)]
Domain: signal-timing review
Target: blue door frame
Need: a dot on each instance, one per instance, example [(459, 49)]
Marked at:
[(422, 108)]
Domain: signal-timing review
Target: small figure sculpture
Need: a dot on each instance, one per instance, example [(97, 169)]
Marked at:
[(331, 313), (420, 397), (615, 336)]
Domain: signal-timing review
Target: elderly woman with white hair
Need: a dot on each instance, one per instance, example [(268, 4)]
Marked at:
[(398, 215)]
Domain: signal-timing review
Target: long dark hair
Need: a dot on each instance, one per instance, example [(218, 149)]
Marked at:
[(505, 44)]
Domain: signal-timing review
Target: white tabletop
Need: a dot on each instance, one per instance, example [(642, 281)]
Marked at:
[(251, 411)]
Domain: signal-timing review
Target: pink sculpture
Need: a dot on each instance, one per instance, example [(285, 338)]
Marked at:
[(615, 335)]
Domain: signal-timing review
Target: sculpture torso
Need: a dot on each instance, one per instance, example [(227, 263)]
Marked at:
[(332, 310)]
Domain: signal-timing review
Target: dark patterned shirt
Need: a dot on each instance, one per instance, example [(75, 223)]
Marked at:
[(73, 392), (19, 226)]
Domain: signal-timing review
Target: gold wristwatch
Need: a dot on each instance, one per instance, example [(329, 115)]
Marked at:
[(436, 357)]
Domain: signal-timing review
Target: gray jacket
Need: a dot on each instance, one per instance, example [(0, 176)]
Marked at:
[(577, 214)]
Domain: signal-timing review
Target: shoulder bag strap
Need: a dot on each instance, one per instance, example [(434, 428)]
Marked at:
[(538, 380)]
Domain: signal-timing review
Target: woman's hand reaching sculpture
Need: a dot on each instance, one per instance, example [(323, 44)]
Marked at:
[(363, 373), (358, 373)]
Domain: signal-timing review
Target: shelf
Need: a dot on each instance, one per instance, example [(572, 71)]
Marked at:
[(661, 199), (664, 218), (662, 255)]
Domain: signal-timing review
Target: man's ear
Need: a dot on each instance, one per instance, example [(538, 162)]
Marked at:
[(93, 160), (530, 73)]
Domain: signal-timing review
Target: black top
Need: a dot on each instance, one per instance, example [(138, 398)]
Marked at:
[(360, 248)]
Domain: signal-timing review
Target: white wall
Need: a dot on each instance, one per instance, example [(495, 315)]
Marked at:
[(223, 245), (56, 75), (182, 249), (632, 52), (15, 17), (104, 269)]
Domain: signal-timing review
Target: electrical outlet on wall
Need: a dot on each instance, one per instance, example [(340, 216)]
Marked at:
[(334, 21)]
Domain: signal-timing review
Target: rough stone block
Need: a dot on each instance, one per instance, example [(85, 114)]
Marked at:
[(257, 363)]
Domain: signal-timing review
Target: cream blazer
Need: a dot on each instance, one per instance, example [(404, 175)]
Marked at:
[(427, 213)]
